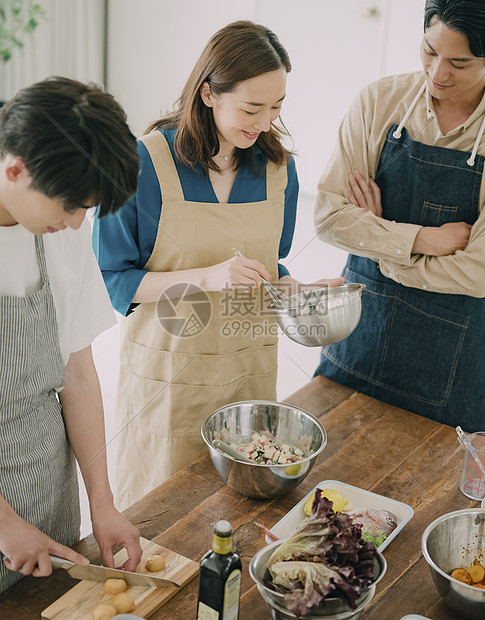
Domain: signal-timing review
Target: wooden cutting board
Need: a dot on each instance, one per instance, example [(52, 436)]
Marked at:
[(80, 601)]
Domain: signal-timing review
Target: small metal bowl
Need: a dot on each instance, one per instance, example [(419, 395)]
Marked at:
[(286, 423), (323, 316), (333, 609), (455, 540)]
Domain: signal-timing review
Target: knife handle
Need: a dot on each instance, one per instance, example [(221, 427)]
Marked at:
[(60, 562)]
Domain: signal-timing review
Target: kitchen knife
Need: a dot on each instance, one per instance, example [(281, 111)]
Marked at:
[(92, 572)]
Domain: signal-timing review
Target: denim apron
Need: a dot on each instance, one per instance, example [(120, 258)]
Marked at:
[(415, 349), (37, 467)]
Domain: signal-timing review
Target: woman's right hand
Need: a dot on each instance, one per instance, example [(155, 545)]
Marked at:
[(26, 548), (237, 272), (442, 240)]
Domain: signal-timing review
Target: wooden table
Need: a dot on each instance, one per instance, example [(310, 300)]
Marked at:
[(370, 445)]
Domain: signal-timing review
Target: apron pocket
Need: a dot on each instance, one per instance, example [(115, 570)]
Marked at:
[(436, 215), (201, 369), (404, 343), (175, 410)]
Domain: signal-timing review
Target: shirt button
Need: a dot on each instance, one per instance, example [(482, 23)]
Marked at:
[(361, 243), (398, 251)]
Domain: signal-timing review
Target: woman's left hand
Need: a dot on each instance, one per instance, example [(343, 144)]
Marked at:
[(110, 528), (289, 286), (364, 194)]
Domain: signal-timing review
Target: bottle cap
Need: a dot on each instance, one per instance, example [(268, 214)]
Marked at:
[(223, 528)]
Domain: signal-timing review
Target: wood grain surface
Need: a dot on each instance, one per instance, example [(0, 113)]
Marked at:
[(371, 445)]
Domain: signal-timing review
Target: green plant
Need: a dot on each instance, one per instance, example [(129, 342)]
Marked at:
[(17, 18)]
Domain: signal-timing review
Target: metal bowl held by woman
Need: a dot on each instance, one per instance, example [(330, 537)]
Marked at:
[(237, 423), (456, 540), (321, 317), (333, 609)]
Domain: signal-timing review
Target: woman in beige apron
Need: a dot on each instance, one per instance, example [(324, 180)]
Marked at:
[(214, 178)]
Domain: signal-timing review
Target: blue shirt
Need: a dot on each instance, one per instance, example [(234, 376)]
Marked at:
[(123, 242)]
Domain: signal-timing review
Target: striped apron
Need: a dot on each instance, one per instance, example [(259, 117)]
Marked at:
[(37, 467)]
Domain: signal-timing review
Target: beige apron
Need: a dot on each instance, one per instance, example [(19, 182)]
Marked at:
[(170, 383)]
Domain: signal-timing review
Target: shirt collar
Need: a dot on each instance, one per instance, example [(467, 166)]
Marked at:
[(477, 113)]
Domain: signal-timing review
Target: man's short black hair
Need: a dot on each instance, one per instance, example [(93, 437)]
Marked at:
[(465, 16), (75, 143)]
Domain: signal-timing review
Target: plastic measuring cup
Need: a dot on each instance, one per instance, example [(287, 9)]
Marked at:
[(472, 482)]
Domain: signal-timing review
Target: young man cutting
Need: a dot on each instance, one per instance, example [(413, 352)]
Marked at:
[(64, 147)]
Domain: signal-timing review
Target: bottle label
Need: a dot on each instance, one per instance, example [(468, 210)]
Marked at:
[(205, 612), (231, 596)]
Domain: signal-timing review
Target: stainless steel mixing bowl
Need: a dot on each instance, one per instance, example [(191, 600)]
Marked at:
[(452, 541), (334, 608), (323, 316), (286, 423)]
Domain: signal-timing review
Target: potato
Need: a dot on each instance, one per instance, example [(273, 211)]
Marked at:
[(105, 612), (476, 572), (462, 575), (155, 563), (123, 603), (115, 586)]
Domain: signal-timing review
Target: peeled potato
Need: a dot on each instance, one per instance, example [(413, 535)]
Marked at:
[(476, 572), (105, 612), (123, 603), (155, 563), (115, 586), (462, 575)]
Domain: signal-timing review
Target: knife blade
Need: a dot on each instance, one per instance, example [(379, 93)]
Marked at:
[(92, 572)]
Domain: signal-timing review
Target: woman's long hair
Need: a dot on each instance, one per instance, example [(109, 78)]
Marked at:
[(239, 51)]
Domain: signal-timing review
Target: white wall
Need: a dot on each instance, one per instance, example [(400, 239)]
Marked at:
[(336, 47)]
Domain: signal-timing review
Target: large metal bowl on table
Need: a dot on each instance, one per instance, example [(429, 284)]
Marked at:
[(455, 540), (321, 317), (287, 424), (333, 609)]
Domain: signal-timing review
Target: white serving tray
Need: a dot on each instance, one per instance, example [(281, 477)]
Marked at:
[(358, 498)]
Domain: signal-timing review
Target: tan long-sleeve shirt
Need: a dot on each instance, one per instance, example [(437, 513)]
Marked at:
[(360, 141)]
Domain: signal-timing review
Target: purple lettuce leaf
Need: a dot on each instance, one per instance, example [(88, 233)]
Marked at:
[(326, 556)]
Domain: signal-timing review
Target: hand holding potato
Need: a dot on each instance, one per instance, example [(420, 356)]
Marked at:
[(111, 528)]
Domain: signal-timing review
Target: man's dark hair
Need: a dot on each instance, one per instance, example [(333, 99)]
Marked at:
[(74, 141), (465, 16)]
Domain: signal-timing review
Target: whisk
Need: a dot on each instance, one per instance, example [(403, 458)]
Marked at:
[(279, 300)]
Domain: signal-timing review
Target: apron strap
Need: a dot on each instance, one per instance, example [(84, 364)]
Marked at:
[(471, 160), (164, 165), (397, 133), (39, 250), (276, 181)]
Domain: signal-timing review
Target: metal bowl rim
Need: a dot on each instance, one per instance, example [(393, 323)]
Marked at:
[(357, 289), (430, 528), (317, 422), (380, 558)]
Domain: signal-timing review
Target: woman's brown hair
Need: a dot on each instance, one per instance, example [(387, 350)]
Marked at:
[(239, 51)]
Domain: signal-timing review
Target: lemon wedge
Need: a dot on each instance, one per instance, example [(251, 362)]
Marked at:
[(293, 470), (339, 502)]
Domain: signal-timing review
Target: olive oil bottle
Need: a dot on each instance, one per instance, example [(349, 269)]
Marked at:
[(220, 578)]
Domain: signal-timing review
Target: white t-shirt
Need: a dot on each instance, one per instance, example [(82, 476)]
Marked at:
[(82, 304)]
